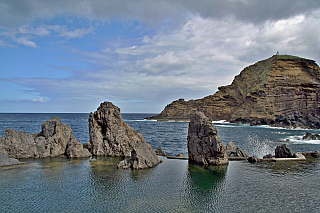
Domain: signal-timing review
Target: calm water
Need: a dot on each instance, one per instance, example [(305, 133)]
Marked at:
[(63, 185)]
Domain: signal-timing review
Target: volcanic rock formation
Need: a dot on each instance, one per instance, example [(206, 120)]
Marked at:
[(204, 145), (111, 136), (281, 90), (284, 151), (235, 152), (55, 139)]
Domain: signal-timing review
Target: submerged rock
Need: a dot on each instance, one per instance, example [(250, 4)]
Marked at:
[(54, 139), (204, 145), (180, 155), (6, 161), (111, 136)]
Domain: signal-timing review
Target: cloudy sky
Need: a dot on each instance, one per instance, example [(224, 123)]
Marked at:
[(69, 56)]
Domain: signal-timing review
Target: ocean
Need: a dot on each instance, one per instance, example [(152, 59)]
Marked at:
[(78, 185)]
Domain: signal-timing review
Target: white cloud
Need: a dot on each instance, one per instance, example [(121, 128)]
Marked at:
[(39, 31), (167, 63), (25, 34), (25, 41), (200, 56), (34, 100), (77, 33), (38, 100)]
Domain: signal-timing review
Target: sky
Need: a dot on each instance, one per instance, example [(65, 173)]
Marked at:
[(72, 55)]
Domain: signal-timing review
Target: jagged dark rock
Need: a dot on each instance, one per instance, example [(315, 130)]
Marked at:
[(204, 145), (268, 156), (282, 90), (284, 151), (160, 152), (54, 139), (314, 154), (309, 136), (235, 152), (111, 136), (253, 159)]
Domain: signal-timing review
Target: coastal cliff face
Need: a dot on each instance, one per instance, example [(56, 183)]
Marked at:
[(270, 91)]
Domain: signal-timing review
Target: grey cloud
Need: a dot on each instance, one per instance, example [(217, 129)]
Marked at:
[(154, 12)]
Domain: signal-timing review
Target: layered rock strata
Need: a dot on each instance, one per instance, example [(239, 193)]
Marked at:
[(54, 139), (111, 136), (204, 145), (281, 90)]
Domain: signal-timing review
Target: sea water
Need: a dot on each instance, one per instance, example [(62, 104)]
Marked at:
[(78, 185)]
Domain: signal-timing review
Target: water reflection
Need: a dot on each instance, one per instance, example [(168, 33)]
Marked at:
[(203, 186), (77, 185), (206, 178)]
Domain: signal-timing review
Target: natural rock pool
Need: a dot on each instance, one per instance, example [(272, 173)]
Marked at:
[(78, 185)]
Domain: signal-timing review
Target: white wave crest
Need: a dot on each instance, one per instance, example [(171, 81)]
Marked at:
[(298, 140)]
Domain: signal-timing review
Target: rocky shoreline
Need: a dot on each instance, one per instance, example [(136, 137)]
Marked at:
[(111, 136), (53, 140)]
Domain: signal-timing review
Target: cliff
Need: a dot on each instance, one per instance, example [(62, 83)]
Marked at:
[(280, 90)]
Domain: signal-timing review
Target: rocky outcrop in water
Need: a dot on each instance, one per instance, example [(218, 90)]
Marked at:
[(235, 152), (284, 151), (282, 90), (160, 152), (253, 159), (204, 145), (55, 139), (310, 136), (111, 136)]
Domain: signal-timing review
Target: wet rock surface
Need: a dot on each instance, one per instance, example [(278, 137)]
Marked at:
[(310, 136), (284, 151), (204, 145), (235, 152), (253, 159)]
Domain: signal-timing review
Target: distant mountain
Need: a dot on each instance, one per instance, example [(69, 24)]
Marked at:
[(281, 90)]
